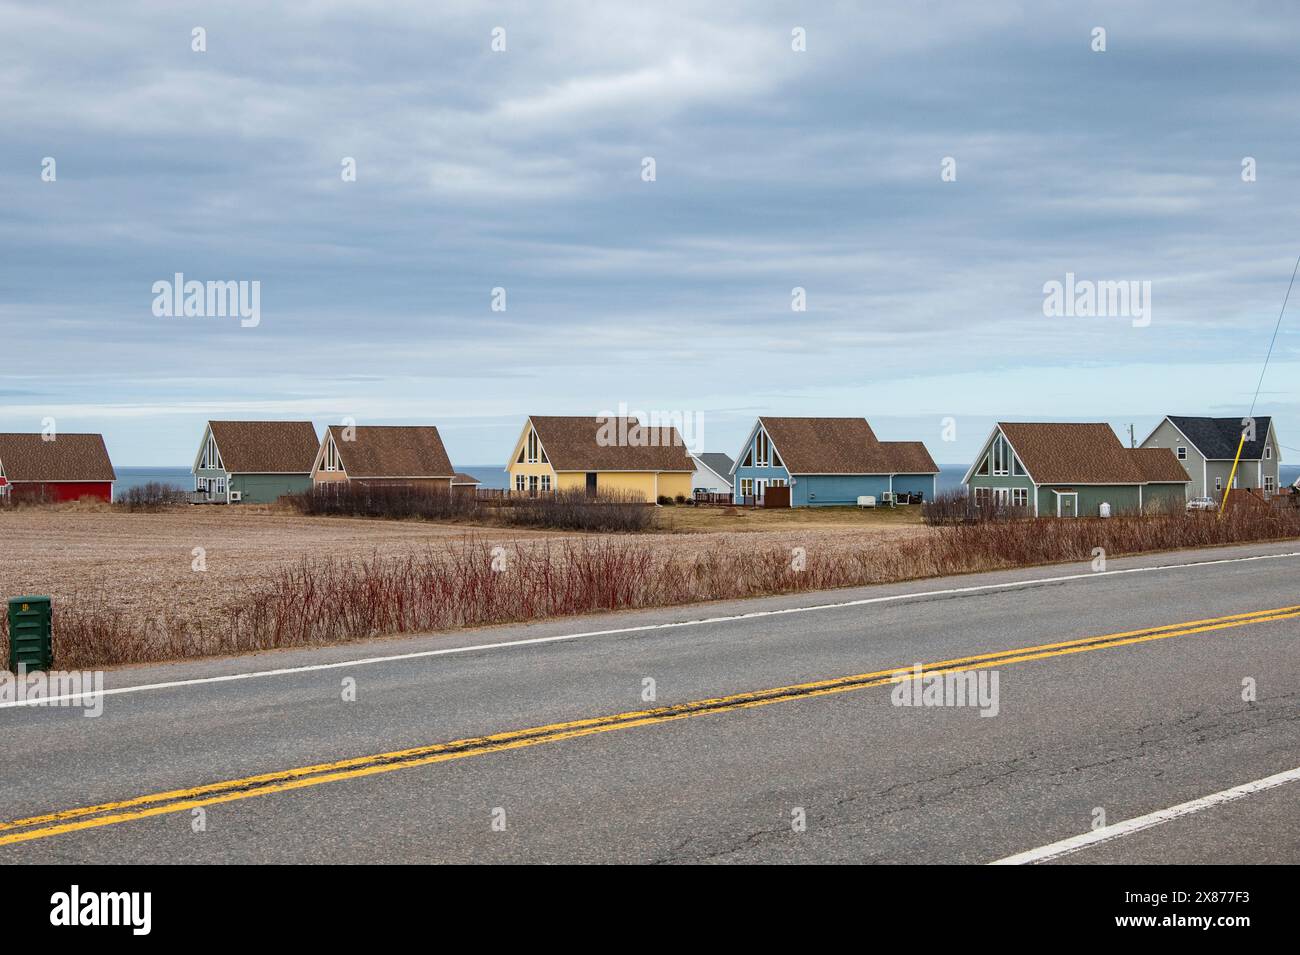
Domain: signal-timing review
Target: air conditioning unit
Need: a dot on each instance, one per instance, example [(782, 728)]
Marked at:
[(236, 496)]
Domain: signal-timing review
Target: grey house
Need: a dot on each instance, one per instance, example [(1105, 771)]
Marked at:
[(1206, 447)]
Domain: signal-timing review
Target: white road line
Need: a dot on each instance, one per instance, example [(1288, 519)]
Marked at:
[(1130, 826), (643, 628)]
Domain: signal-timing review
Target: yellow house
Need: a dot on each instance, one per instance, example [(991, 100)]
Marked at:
[(601, 455)]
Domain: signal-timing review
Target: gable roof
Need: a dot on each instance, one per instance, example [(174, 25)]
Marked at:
[(1217, 438), (1091, 453), (392, 451), (1159, 465), (843, 446), (717, 462), (69, 457), (266, 447), (573, 443), (826, 445), (460, 477), (909, 457)]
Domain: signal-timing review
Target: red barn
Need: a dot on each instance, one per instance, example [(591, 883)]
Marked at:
[(66, 468)]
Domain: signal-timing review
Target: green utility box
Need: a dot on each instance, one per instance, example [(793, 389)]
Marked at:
[(31, 641)]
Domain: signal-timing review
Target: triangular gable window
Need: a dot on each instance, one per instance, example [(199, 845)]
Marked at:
[(521, 455), (984, 466), (749, 459), (776, 459)]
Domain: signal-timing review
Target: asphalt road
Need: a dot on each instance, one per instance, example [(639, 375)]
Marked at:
[(1130, 726)]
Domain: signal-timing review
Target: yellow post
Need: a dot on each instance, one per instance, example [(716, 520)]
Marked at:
[(1228, 490)]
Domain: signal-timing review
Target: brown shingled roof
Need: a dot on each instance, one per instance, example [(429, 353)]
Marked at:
[(574, 444), (827, 445), (379, 451), (69, 457), (1069, 453), (266, 447), (1159, 465), (909, 457)]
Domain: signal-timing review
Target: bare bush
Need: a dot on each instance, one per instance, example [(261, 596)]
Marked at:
[(152, 496), (467, 584)]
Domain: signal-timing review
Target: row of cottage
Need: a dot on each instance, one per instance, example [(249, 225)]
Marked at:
[(1056, 469)]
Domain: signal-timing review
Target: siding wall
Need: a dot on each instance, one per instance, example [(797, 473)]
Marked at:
[(1167, 436), (268, 488)]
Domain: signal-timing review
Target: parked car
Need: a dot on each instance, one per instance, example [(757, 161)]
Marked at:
[(1202, 504)]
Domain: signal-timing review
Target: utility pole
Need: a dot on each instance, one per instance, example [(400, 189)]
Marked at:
[(1132, 440)]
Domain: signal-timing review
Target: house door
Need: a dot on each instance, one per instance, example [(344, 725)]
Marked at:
[(1069, 504), (591, 483), (760, 486)]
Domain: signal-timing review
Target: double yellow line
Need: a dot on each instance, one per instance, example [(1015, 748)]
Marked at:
[(182, 800)]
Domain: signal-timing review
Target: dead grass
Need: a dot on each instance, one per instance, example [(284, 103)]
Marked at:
[(687, 519), (427, 577)]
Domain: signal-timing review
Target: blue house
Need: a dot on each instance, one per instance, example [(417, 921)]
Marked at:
[(829, 461)]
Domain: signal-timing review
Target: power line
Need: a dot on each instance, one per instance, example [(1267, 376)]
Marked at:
[(1271, 343)]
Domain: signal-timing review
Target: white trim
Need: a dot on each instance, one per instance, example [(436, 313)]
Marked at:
[(700, 464), (1061, 494), (983, 447)]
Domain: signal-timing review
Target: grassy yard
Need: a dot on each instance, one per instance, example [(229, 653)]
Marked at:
[(686, 519)]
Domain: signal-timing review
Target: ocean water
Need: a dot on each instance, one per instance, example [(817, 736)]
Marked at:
[(128, 478), (492, 475)]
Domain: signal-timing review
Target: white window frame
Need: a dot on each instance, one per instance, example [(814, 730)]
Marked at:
[(1268, 452), (1269, 486), (521, 483), (746, 487), (1020, 497), (1182, 453)]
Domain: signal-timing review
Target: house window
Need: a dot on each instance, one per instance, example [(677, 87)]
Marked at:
[(1269, 487), (1268, 454), (211, 457), (746, 487), (532, 485), (984, 466), (1218, 482), (776, 482), (983, 495), (221, 485), (520, 483), (1182, 454), (1017, 468), (331, 462), (546, 482), (1020, 497), (532, 446), (761, 446), (1001, 456)]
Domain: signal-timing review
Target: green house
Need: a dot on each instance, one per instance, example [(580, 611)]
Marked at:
[(1073, 470), (253, 462)]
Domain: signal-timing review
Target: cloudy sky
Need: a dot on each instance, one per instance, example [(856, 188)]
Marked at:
[(774, 168)]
